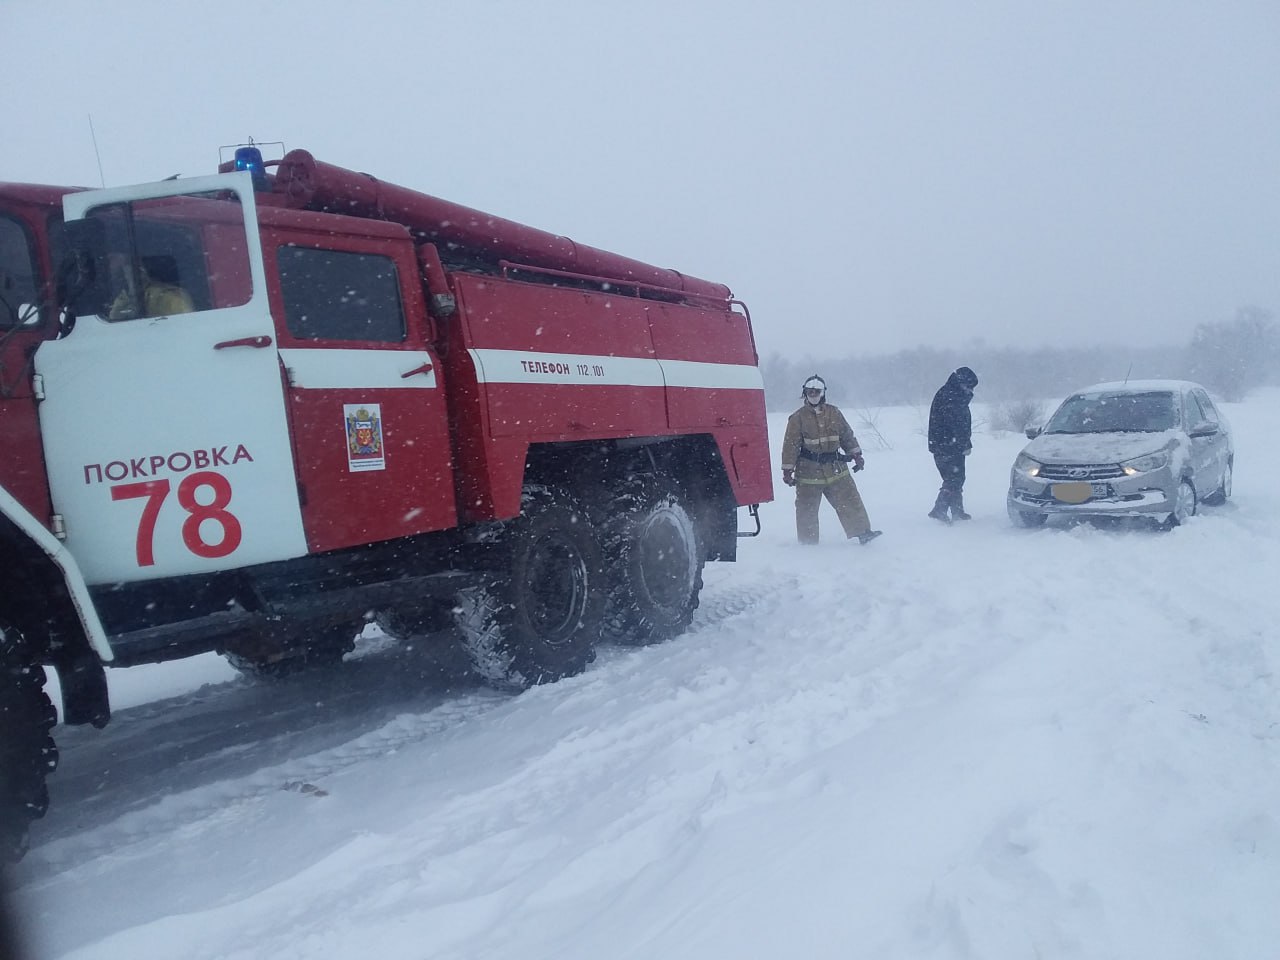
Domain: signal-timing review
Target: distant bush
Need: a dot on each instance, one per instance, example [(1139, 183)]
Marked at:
[(869, 429), (1016, 415)]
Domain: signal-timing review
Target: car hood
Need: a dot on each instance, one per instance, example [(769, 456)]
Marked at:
[(1097, 447)]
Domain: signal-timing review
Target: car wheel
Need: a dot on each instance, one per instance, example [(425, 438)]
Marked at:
[(1223, 493), (1184, 507), (1027, 519)]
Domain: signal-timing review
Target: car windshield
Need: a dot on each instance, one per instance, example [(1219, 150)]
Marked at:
[(1115, 413)]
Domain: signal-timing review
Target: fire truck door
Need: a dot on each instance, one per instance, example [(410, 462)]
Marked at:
[(163, 416), (365, 395)]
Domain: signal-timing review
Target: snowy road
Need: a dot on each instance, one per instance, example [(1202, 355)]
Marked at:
[(957, 742)]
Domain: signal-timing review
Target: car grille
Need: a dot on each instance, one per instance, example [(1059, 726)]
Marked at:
[(1080, 471)]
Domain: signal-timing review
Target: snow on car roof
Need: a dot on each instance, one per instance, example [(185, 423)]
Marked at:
[(1140, 386)]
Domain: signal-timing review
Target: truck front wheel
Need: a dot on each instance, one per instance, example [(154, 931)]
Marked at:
[(27, 751), (536, 618), (654, 562)]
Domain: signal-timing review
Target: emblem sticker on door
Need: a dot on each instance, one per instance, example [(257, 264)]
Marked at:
[(365, 449)]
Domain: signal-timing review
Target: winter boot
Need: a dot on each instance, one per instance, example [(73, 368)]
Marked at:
[(939, 511), (957, 508), (865, 538)]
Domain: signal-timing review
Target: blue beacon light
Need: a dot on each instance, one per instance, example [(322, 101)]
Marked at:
[(250, 158)]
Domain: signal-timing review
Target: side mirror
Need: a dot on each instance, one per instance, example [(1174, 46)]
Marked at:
[(1033, 432), (83, 275), (1206, 429)]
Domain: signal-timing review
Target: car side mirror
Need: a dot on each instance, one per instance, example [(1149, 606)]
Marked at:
[(1206, 429), (1033, 432)]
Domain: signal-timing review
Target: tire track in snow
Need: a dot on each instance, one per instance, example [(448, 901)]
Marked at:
[(235, 767), (198, 723)]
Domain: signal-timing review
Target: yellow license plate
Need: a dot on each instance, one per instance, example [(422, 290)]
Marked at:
[(1072, 492)]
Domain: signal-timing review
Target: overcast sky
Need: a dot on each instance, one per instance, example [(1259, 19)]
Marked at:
[(868, 176)]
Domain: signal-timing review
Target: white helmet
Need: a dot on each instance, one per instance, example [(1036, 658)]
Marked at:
[(814, 383)]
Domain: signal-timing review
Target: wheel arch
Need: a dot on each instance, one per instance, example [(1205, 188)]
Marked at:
[(693, 461), (48, 595)]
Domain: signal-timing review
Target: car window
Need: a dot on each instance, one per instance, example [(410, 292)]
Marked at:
[(1206, 405), (1149, 412), (1191, 411)]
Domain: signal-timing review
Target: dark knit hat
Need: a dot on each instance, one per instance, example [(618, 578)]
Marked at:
[(966, 377)]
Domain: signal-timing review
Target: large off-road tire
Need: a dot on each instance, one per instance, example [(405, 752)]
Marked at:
[(27, 751), (653, 562), (324, 648), (536, 618)]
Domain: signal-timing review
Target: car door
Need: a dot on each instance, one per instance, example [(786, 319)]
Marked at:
[(1218, 446), (1202, 452), (166, 436)]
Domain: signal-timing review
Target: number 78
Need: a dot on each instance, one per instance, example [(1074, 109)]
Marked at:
[(155, 492)]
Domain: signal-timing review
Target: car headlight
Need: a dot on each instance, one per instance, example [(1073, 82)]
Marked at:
[(1025, 464), (1152, 461)]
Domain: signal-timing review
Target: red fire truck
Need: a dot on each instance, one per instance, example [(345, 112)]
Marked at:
[(251, 412)]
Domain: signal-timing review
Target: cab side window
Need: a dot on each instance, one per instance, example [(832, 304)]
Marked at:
[(338, 295), (17, 277)]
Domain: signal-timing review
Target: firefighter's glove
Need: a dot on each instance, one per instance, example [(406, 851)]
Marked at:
[(858, 462), (789, 477)]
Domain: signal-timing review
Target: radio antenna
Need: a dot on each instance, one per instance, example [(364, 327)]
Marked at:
[(1129, 371), (94, 137)]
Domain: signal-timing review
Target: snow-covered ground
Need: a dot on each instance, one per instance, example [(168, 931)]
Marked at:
[(956, 742)]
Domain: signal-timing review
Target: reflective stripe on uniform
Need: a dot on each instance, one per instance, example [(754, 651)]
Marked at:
[(821, 481)]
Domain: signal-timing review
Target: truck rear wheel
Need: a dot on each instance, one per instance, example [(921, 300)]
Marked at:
[(537, 618), (654, 563), (27, 751)]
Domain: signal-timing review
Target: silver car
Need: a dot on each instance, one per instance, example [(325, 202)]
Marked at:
[(1148, 448)]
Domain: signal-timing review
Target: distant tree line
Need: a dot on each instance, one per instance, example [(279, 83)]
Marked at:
[(1231, 358), (1236, 356)]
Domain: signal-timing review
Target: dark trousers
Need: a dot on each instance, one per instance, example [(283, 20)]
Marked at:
[(951, 469)]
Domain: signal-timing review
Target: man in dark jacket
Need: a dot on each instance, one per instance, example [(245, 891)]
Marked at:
[(951, 440)]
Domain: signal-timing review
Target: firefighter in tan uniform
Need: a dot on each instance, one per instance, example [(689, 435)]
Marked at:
[(159, 297), (813, 463)]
